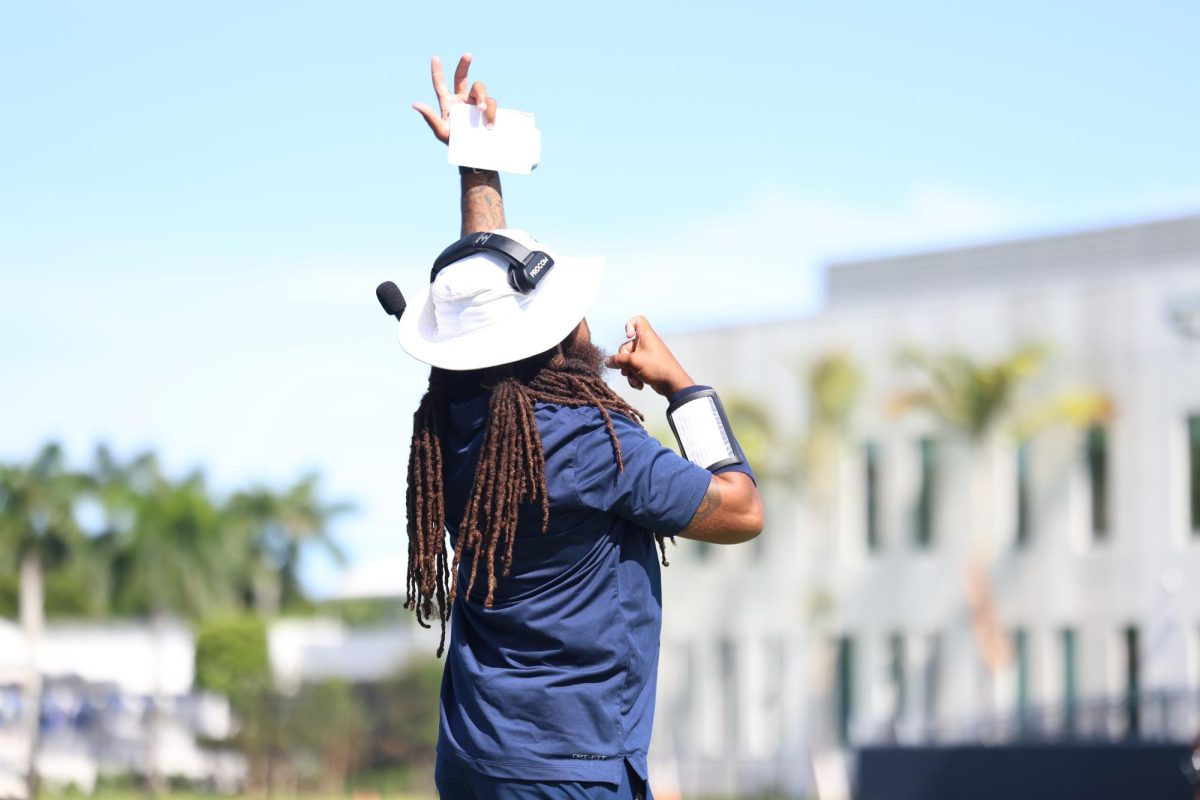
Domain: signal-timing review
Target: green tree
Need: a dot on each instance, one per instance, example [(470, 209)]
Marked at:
[(38, 529), (981, 401), (324, 730), (755, 431), (274, 530), (968, 395), (834, 385), (168, 559), (169, 556), (232, 659)]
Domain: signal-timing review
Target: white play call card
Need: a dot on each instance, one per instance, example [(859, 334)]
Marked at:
[(513, 144), (698, 425)]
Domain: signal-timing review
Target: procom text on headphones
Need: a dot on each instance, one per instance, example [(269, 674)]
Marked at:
[(526, 267)]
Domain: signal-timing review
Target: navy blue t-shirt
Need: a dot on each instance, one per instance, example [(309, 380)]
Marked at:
[(556, 681)]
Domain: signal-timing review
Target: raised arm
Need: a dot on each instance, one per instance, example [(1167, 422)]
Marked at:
[(482, 201), (731, 511)]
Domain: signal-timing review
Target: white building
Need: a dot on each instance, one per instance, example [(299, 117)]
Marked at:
[(102, 678), (848, 620)]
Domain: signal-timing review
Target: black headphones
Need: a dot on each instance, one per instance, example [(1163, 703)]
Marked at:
[(526, 267)]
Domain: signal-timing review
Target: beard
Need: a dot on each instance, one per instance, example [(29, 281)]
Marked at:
[(586, 354)]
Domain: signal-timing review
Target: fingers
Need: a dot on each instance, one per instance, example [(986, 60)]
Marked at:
[(638, 327), (460, 74), (480, 99), (621, 360), (477, 95), (439, 126), (439, 86), (632, 377)]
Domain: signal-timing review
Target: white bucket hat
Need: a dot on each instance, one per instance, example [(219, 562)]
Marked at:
[(470, 317)]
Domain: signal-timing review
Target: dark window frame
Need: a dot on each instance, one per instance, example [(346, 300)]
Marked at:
[(871, 495), (1098, 457), (925, 512), (1069, 644), (844, 697), (1024, 515), (1023, 669), (1131, 639), (898, 674)]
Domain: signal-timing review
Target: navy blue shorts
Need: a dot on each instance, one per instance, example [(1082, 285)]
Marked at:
[(456, 781)]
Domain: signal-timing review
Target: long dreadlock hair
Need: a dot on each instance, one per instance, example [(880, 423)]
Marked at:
[(510, 472)]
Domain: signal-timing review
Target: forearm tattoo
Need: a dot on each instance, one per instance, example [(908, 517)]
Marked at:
[(708, 505), (482, 203)]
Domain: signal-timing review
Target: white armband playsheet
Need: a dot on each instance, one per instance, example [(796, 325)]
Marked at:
[(702, 430)]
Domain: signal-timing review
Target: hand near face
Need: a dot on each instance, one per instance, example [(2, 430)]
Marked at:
[(645, 360)]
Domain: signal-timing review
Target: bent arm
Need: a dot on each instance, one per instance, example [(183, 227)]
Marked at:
[(730, 513), (482, 202)]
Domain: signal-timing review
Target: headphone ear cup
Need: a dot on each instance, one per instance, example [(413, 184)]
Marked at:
[(514, 278)]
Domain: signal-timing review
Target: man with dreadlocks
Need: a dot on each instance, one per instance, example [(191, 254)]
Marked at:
[(556, 502)]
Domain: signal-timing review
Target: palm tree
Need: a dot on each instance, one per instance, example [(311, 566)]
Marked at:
[(168, 551), (834, 385), (274, 530), (168, 558), (755, 431), (976, 398), (38, 529)]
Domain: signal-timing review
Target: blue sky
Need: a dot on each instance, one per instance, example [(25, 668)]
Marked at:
[(197, 199)]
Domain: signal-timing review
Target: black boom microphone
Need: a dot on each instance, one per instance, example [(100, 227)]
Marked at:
[(391, 298)]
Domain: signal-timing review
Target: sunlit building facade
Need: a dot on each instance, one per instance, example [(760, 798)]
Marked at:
[(924, 580)]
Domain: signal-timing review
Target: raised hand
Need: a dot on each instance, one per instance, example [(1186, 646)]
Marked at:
[(476, 95), (645, 359)]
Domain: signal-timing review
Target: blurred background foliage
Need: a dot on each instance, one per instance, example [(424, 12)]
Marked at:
[(122, 539)]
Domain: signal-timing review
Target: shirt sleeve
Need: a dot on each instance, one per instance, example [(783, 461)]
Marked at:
[(657, 489)]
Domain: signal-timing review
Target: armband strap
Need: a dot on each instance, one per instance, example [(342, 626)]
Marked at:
[(698, 420)]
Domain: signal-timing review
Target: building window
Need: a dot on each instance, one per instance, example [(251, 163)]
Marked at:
[(897, 676), (1070, 677), (871, 476), (1021, 654), (926, 495), (1023, 494), (1097, 464), (1133, 715), (1193, 425), (845, 687)]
